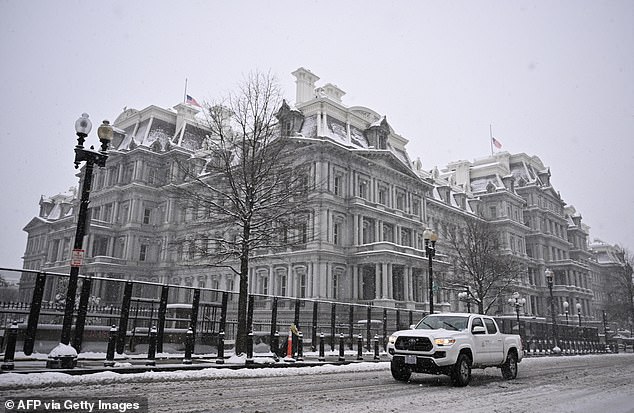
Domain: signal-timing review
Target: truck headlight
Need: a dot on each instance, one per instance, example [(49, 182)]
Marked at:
[(444, 341), (391, 340)]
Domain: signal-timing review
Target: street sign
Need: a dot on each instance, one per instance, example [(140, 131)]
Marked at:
[(77, 258)]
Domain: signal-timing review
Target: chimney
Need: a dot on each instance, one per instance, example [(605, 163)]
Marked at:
[(305, 81), (333, 92)]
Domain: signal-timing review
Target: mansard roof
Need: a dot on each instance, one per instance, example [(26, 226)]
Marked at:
[(159, 129)]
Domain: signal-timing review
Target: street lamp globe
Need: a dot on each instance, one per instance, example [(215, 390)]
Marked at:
[(430, 235), (104, 131), (578, 307), (83, 125), (549, 275)]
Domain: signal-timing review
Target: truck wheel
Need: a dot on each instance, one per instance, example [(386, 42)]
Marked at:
[(461, 371), (509, 368), (399, 371)]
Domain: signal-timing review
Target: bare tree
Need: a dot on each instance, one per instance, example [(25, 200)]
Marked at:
[(621, 290), (482, 268), (245, 188)]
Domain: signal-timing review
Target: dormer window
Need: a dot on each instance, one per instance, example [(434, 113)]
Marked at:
[(382, 142)]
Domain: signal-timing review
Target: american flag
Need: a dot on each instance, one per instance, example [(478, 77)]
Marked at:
[(496, 143), (192, 101)]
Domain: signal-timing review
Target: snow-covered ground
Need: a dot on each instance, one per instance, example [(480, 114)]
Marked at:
[(592, 383)]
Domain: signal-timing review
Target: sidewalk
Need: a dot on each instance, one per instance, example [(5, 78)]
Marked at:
[(125, 364)]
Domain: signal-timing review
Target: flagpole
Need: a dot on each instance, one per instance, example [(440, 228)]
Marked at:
[(185, 94), (491, 138)]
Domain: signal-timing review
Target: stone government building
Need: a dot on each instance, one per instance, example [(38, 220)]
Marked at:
[(366, 220)]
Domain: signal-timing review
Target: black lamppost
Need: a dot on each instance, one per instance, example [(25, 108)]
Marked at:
[(549, 280), (518, 303), (566, 310), (579, 312), (64, 356), (430, 238)]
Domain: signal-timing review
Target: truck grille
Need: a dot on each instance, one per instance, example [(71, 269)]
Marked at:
[(413, 344)]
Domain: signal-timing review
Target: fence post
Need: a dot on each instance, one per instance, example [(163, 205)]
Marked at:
[(274, 345), (368, 327), (360, 347), (123, 318), (151, 351), (313, 338), (161, 318), (333, 315), (300, 346), (220, 357), (223, 313), (376, 348), (322, 356), (342, 357), (250, 306), (112, 338), (249, 347), (9, 353), (384, 340), (193, 321), (296, 318), (34, 314), (86, 285), (351, 326), (189, 345)]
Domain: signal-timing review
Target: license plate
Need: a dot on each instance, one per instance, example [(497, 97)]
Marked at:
[(410, 359)]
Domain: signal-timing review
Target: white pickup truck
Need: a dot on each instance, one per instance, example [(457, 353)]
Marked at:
[(453, 344)]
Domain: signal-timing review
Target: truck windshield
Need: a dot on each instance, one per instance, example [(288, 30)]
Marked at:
[(448, 322)]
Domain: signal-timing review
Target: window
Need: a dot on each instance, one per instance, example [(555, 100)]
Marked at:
[(363, 189), (143, 252), (100, 246), (416, 207), (302, 285), (147, 214), (303, 233), (382, 196), (491, 329), (337, 185), (107, 212), (283, 285), (336, 236), (477, 322), (400, 201), (335, 286), (95, 213)]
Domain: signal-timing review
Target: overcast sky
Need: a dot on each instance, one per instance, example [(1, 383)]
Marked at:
[(554, 79)]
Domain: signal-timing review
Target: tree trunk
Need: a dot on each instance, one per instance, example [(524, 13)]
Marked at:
[(243, 299)]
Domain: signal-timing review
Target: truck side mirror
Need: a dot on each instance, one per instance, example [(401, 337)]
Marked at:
[(412, 326), (478, 330)]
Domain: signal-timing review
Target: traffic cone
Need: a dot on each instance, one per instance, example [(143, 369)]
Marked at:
[(289, 347)]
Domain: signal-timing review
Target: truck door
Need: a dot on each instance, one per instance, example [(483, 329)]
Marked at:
[(480, 343), (496, 343)]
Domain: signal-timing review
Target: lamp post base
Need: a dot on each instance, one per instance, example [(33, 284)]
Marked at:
[(64, 356)]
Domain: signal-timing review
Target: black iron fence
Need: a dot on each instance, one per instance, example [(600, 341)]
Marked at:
[(136, 315), (134, 308)]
